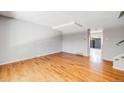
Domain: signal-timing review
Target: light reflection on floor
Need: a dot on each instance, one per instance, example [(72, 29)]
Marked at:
[(96, 60), (95, 55)]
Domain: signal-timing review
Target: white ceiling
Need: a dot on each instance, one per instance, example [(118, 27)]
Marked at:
[(89, 19), (71, 27)]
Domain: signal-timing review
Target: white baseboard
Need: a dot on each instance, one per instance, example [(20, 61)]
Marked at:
[(22, 59), (75, 53), (118, 68)]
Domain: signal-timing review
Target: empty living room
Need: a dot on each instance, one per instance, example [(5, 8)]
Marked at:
[(61, 46)]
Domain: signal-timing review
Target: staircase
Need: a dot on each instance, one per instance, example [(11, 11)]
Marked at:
[(118, 61)]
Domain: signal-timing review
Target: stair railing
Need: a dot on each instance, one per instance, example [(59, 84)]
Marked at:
[(122, 41)]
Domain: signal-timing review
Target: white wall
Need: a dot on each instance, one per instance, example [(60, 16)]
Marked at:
[(22, 40), (111, 37), (76, 43)]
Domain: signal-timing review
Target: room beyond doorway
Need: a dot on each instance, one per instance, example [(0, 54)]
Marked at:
[(95, 45)]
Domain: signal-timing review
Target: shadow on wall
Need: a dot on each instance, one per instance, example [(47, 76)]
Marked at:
[(8, 13)]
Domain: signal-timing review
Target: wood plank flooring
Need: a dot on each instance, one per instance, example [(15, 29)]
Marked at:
[(60, 67)]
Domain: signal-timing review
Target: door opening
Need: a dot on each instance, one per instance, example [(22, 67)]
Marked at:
[(95, 45)]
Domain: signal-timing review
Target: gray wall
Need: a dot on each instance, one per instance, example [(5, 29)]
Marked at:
[(111, 36), (76, 43), (22, 40)]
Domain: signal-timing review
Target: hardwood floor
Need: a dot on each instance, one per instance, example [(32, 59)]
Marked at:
[(60, 67)]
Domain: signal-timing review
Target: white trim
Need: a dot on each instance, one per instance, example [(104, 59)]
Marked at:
[(22, 59), (118, 68), (75, 53)]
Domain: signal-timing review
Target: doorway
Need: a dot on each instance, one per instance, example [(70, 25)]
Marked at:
[(95, 45)]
